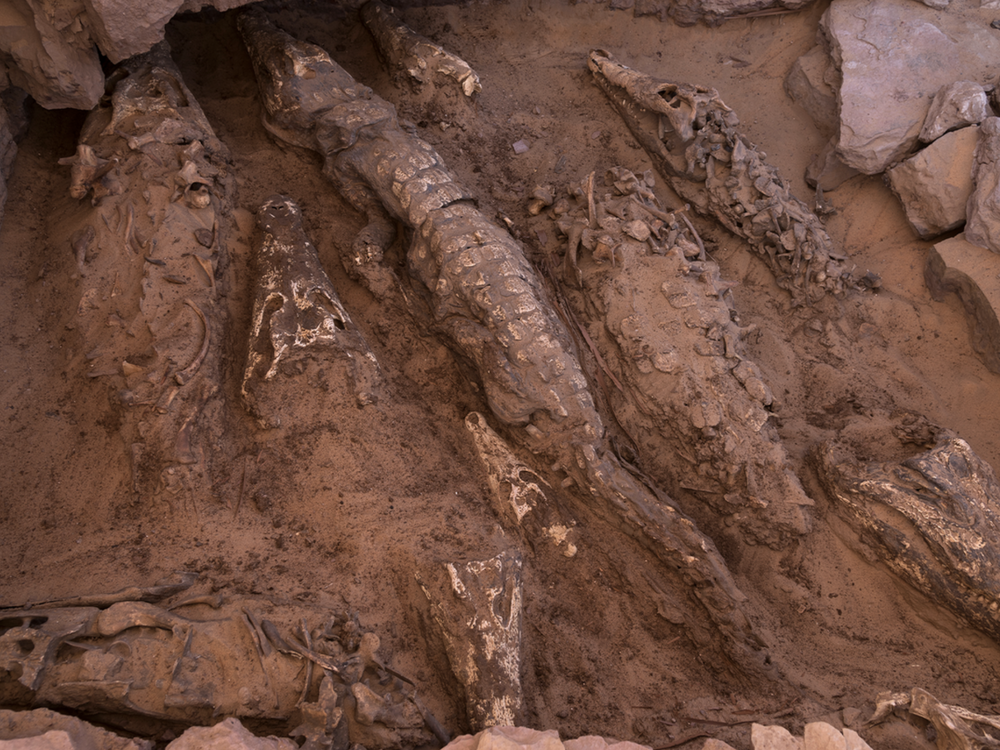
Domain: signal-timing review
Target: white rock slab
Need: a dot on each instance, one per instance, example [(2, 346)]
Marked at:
[(228, 735), (955, 106), (821, 736), (773, 738), (973, 273), (894, 55), (934, 184)]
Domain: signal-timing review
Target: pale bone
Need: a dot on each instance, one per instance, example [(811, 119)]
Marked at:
[(956, 727), (478, 614), (45, 631), (163, 360), (297, 316), (689, 390), (486, 298), (405, 50), (516, 498), (691, 136), (933, 519)]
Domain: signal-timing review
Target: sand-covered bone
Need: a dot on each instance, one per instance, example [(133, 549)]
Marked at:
[(956, 728), (693, 139), (932, 518), (689, 390), (134, 658), (485, 297), (409, 53), (476, 609), (148, 315), (298, 323)]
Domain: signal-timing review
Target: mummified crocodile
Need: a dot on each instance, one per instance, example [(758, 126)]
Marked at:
[(485, 296), (692, 138), (932, 518), (689, 391), (150, 250)]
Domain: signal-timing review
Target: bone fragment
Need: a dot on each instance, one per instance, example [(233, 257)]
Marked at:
[(297, 319), (932, 518), (478, 614), (486, 298), (407, 52), (46, 632), (692, 138)]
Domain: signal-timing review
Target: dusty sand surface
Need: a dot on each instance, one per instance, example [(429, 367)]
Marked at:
[(342, 517)]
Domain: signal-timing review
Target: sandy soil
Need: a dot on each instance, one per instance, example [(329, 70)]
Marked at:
[(342, 518)]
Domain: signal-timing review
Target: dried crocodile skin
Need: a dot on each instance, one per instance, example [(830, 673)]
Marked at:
[(485, 297), (689, 391), (933, 518), (406, 51), (298, 320), (692, 138), (150, 245)]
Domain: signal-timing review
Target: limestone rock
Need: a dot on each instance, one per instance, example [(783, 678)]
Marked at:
[(894, 55), (48, 48), (123, 28), (593, 742), (228, 735), (714, 744), (508, 738), (821, 736), (51, 740), (854, 741), (955, 106), (972, 273), (44, 728), (826, 171), (773, 738), (809, 84), (934, 185), (983, 209), (49, 54)]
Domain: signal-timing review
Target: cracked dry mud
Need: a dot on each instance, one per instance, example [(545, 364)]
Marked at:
[(358, 502)]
